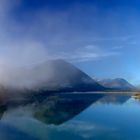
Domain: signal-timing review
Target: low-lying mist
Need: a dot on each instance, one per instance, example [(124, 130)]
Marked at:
[(16, 60)]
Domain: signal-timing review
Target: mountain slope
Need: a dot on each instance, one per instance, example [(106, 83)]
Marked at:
[(53, 75), (60, 75), (118, 83)]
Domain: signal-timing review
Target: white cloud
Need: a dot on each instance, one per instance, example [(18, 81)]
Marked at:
[(118, 47), (23, 53), (87, 53), (86, 129), (53, 35)]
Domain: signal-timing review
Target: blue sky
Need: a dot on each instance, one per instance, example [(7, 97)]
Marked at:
[(99, 36)]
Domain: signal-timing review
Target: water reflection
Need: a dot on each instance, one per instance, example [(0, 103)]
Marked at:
[(56, 109), (12, 133), (73, 116), (59, 109), (136, 96), (115, 99)]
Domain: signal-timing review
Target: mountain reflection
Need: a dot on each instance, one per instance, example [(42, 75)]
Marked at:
[(115, 99), (68, 116), (57, 109)]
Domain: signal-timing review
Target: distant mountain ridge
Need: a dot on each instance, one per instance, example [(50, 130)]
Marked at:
[(118, 84)]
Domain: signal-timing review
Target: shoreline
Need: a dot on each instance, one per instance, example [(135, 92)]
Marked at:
[(103, 92)]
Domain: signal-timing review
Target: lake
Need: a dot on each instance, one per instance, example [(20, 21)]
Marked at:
[(73, 116)]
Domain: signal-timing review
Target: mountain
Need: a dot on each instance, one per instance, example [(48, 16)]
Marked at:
[(59, 75), (52, 75), (117, 84)]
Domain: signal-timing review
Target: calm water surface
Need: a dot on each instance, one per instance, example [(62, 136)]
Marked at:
[(73, 117)]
